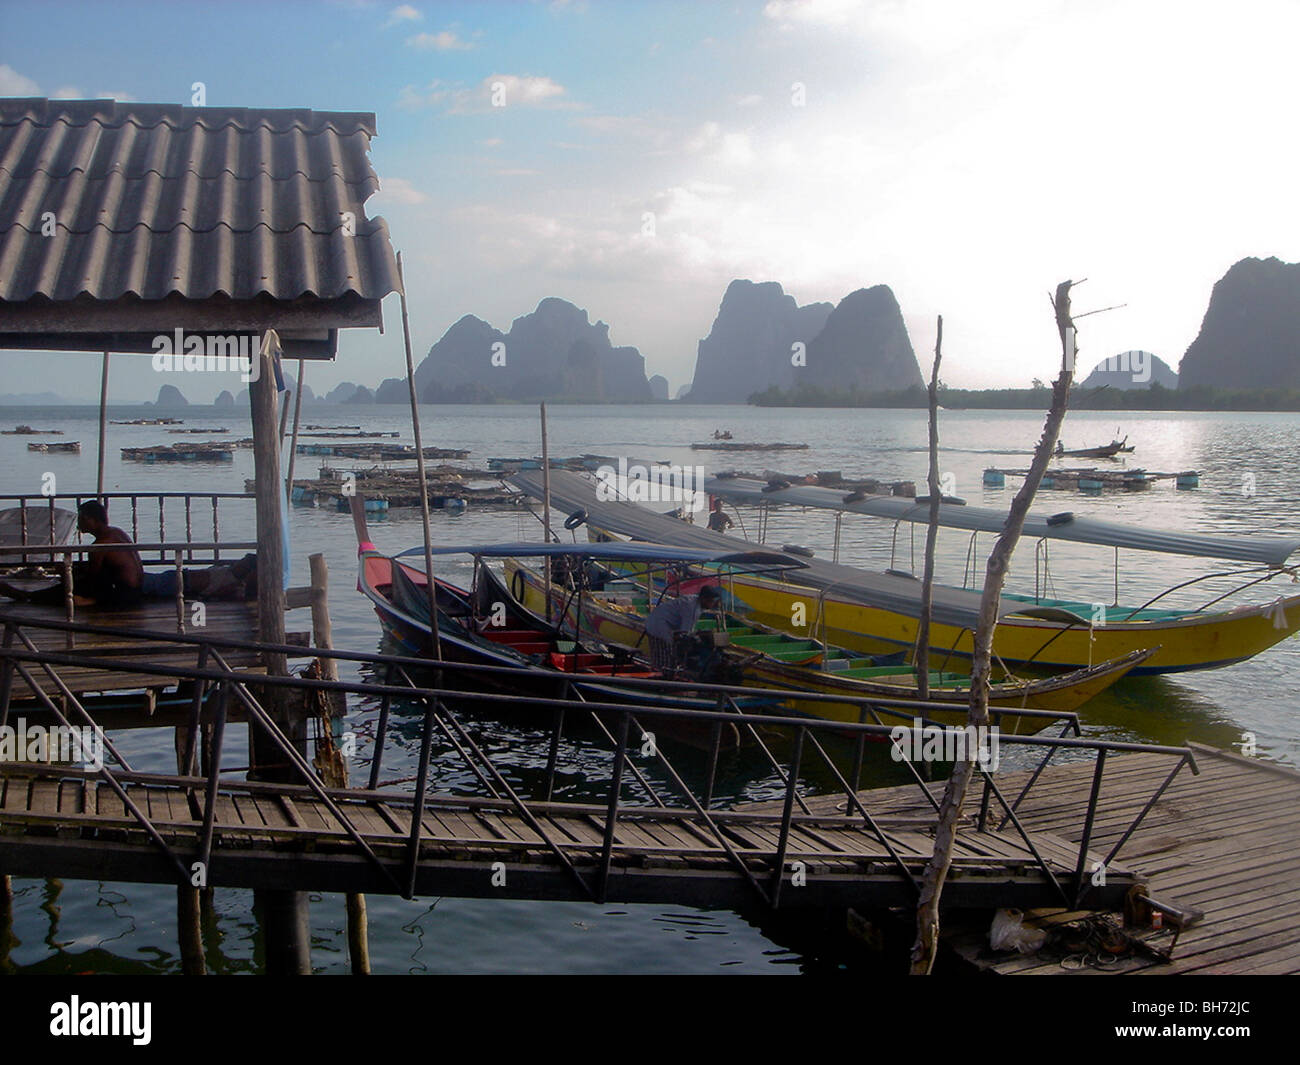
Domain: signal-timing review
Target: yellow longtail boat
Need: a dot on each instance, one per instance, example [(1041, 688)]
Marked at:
[(877, 613), (766, 658)]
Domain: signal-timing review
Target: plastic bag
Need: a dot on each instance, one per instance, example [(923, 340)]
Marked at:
[(1009, 933)]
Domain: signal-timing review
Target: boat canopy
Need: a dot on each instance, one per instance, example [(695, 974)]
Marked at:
[(1267, 550), (952, 606), (623, 552)]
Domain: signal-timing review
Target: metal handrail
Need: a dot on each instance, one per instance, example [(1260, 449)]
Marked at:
[(229, 679)]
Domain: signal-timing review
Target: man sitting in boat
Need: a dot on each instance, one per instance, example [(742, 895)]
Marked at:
[(110, 579), (674, 618)]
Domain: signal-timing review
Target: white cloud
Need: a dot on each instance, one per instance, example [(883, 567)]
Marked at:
[(399, 190), (67, 92), (14, 84), (442, 41), (491, 142), (752, 100), (435, 94), (120, 97), (813, 12), (402, 13), (524, 90)]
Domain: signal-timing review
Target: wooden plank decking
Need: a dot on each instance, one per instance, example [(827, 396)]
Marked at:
[(235, 620), (62, 822), (1226, 842)]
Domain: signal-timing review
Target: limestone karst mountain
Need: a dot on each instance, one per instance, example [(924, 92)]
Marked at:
[(1250, 336), (555, 352)]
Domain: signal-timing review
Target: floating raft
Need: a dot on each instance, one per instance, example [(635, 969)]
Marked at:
[(223, 429), (445, 489), (828, 479), (380, 452), (70, 446), (198, 452), (151, 421), (345, 434), (731, 445), (27, 430), (1095, 480)]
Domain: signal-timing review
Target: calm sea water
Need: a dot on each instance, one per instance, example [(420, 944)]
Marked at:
[(78, 926)]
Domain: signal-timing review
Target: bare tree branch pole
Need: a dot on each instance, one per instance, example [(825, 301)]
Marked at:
[(936, 871), (921, 657)]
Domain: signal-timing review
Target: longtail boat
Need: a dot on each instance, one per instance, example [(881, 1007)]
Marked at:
[(477, 626), (878, 613), (762, 656)]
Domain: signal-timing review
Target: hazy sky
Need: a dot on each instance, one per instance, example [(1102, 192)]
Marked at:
[(969, 155)]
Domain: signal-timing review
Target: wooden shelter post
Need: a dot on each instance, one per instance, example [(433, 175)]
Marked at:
[(284, 913), (103, 426)]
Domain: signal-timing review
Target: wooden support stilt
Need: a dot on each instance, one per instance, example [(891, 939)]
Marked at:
[(332, 765), (189, 935), (6, 922), (189, 931), (288, 945)]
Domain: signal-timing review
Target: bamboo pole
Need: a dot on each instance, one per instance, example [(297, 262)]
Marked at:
[(419, 466), (546, 514), (922, 654), (293, 440), (103, 425), (936, 871)]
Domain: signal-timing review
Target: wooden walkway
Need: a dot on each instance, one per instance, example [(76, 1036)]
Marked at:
[(1226, 842), (234, 620), (69, 823)]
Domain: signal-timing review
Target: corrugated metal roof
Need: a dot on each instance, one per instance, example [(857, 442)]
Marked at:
[(149, 200)]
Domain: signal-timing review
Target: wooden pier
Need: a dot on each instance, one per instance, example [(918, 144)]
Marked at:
[(66, 823), (1226, 844), (641, 842), (1222, 847)]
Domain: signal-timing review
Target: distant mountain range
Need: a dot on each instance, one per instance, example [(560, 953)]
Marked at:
[(762, 339)]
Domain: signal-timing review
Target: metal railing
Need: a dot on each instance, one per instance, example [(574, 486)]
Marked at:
[(618, 707)]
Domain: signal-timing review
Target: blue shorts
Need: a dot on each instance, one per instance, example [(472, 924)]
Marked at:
[(159, 585)]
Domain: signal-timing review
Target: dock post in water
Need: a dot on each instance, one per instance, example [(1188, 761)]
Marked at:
[(6, 921), (322, 637)]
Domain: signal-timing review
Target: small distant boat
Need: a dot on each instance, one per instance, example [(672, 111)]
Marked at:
[(1107, 451), (63, 445), (27, 430)]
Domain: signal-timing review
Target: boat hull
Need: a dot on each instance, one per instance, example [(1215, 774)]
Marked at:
[(1189, 642), (614, 624)]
